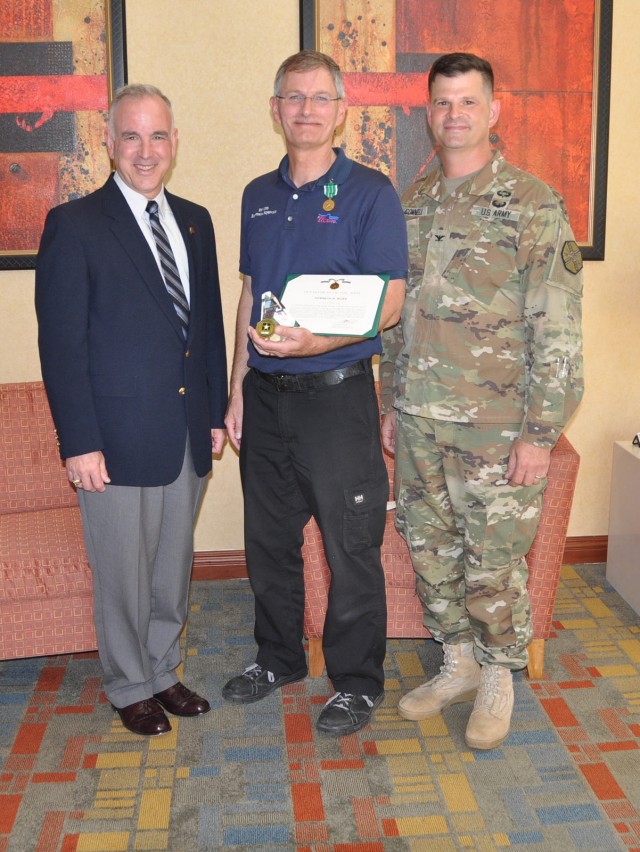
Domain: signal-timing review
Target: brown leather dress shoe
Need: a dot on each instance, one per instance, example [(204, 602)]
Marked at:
[(145, 718), (182, 701)]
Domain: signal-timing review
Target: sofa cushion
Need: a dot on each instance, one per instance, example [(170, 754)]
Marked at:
[(42, 555), (32, 475)]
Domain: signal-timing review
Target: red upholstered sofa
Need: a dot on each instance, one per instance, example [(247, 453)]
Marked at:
[(46, 592), (404, 611)]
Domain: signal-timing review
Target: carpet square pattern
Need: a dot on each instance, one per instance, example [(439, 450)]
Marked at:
[(259, 776)]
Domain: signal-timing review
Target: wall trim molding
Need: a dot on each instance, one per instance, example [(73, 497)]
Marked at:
[(218, 565), (581, 549), (230, 564)]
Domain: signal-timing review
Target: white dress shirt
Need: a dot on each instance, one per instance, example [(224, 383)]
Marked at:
[(138, 204)]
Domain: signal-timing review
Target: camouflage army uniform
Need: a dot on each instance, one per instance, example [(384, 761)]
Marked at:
[(488, 350)]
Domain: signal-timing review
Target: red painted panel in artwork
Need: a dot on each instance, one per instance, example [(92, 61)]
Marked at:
[(28, 190), (549, 135), (22, 20), (64, 93), (543, 45)]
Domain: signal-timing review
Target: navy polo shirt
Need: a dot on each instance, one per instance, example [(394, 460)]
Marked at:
[(285, 232)]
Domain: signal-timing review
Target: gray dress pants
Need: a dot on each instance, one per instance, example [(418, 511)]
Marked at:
[(140, 546)]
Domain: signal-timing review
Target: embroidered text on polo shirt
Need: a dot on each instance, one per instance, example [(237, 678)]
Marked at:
[(263, 211)]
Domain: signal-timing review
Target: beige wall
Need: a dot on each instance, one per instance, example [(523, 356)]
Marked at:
[(216, 61)]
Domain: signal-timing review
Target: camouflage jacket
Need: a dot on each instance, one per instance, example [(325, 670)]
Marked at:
[(491, 326)]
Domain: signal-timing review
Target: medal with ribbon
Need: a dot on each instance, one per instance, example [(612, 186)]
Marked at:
[(330, 190)]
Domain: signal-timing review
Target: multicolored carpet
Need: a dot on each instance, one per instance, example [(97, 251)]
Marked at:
[(260, 777)]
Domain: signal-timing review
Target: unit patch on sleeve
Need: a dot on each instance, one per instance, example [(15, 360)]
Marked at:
[(572, 257)]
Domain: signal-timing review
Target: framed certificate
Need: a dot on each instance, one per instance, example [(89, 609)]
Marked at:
[(345, 305)]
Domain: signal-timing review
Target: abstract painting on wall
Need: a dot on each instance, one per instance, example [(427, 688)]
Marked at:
[(59, 66), (551, 60)]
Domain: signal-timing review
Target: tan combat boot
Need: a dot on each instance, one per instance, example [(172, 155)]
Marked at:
[(457, 681), (488, 725)]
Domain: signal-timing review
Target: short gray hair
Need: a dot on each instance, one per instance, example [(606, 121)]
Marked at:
[(136, 90), (309, 60)]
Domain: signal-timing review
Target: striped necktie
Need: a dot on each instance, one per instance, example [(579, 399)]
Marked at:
[(169, 268)]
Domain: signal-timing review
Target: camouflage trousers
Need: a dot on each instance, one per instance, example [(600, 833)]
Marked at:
[(468, 532)]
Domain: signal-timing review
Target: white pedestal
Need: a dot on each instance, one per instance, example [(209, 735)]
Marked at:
[(623, 551)]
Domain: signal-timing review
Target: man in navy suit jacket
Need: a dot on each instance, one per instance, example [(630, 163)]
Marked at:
[(137, 399)]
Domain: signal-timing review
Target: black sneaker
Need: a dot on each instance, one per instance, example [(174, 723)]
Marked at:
[(345, 713), (255, 683)]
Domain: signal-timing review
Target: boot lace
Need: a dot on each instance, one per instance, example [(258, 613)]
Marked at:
[(254, 671), (489, 690), (448, 668), (343, 700)]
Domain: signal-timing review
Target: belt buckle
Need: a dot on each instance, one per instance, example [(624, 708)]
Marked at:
[(335, 377)]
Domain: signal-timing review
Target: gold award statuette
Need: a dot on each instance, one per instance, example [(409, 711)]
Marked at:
[(273, 313), (265, 328)]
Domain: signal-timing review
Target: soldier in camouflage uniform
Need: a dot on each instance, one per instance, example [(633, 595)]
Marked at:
[(478, 380)]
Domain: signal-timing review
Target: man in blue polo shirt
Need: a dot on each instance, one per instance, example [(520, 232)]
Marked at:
[(303, 410)]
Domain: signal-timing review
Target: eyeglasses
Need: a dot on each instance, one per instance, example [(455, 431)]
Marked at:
[(299, 100)]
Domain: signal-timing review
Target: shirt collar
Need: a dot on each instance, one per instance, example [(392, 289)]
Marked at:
[(338, 172), (480, 183), (136, 201)]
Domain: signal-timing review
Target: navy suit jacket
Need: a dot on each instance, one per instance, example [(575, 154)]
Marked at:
[(119, 375)]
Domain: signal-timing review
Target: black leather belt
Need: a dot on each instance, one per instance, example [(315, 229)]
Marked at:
[(309, 381)]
